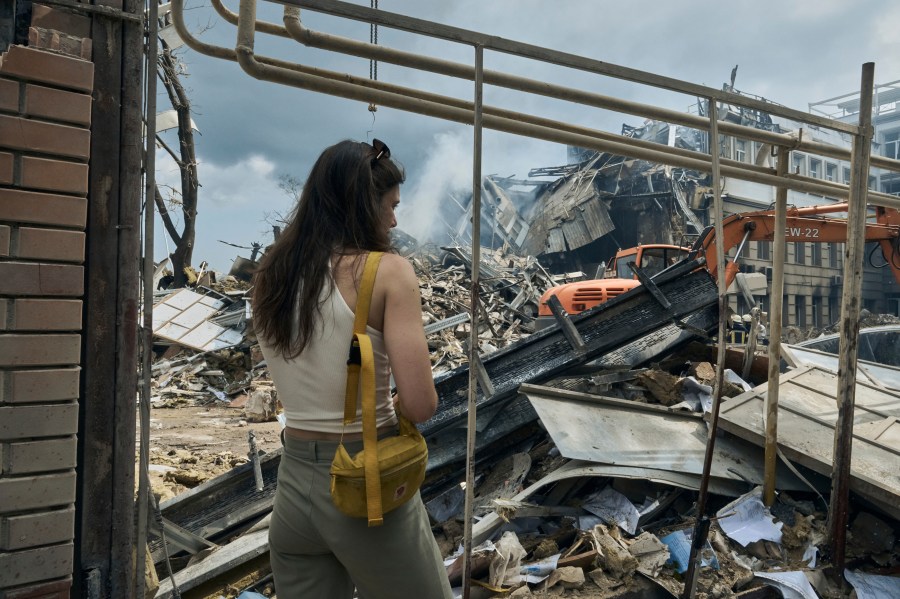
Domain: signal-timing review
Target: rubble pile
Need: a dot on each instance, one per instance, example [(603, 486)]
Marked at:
[(614, 537), (510, 285), (599, 499)]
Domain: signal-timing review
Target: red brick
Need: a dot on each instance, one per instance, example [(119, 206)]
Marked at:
[(54, 18), (4, 240), (31, 207), (50, 244), (57, 589), (34, 278), (54, 175), (40, 350), (6, 167), (9, 95), (48, 138), (40, 65), (30, 386), (79, 47), (57, 104), (46, 315)]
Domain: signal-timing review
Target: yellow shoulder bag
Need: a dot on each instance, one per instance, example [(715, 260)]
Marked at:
[(387, 472)]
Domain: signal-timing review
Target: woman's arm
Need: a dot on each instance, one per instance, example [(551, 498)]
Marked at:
[(404, 339)]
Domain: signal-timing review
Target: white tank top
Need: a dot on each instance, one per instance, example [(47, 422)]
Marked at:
[(311, 387)]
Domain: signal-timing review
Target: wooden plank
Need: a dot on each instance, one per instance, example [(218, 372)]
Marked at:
[(105, 543), (224, 559)]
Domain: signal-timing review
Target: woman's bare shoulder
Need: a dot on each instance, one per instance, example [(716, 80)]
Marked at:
[(396, 265)]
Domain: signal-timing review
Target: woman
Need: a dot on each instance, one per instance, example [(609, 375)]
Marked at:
[(304, 298)]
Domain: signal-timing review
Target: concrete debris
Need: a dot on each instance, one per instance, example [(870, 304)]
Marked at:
[(589, 490)]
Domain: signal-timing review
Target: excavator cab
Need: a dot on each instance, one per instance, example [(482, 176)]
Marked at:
[(619, 278), (651, 258)]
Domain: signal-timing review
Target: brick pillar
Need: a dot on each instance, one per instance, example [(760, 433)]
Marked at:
[(45, 114)]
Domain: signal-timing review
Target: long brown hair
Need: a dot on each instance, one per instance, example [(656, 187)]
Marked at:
[(339, 211)]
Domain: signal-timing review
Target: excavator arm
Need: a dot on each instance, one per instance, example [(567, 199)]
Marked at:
[(803, 225)]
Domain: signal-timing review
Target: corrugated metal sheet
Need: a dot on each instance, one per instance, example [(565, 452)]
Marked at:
[(596, 218), (576, 232), (605, 430), (556, 241), (807, 412)]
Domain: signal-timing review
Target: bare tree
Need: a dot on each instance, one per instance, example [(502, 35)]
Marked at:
[(168, 69)]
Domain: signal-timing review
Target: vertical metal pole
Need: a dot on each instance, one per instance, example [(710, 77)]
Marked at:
[(850, 308), (473, 319), (701, 529), (776, 308), (148, 267)]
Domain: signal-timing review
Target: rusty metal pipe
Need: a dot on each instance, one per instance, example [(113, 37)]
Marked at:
[(565, 59), (511, 122), (294, 29)]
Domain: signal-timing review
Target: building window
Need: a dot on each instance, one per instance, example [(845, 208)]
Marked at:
[(847, 175), (890, 147), (817, 316), (833, 255), (873, 182), (740, 150), (816, 254), (830, 171), (763, 250), (815, 168), (798, 163), (800, 252), (755, 148)]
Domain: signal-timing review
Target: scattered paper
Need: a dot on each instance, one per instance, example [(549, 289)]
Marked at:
[(747, 519), (793, 585), (810, 554), (696, 395), (538, 571), (873, 586), (614, 508), (679, 544), (507, 561)]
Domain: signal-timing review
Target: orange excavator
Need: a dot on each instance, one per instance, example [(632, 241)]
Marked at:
[(803, 225)]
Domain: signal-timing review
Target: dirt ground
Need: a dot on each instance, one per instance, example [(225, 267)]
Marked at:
[(190, 444)]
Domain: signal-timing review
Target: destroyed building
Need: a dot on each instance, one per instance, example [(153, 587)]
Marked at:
[(73, 328), (575, 217)]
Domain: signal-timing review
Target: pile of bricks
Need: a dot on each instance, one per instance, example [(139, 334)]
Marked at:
[(45, 118)]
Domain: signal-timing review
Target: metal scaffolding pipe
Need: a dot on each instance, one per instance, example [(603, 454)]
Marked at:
[(701, 528), (776, 308), (294, 29), (850, 308), (564, 59), (475, 304), (457, 110)]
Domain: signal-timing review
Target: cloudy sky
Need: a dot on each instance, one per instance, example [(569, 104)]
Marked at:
[(251, 132)]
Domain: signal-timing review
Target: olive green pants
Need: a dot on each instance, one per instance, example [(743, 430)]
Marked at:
[(318, 552)]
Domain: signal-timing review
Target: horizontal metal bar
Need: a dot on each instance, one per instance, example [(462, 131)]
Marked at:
[(105, 11), (499, 44), (457, 110)]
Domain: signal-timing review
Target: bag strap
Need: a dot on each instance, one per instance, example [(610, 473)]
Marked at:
[(361, 369)]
